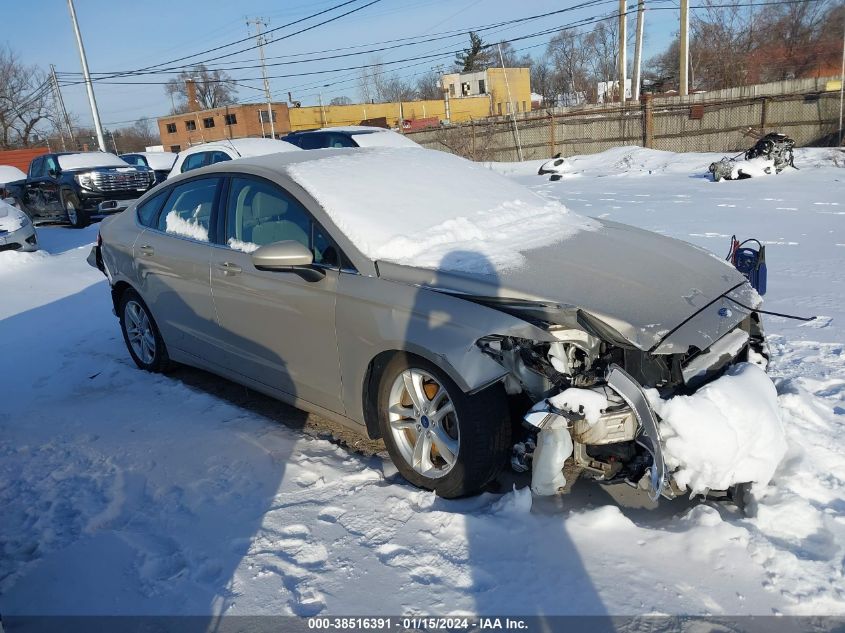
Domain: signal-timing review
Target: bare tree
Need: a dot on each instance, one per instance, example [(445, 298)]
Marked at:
[(376, 85), (25, 101), (429, 86), (343, 100), (215, 88), (570, 77)]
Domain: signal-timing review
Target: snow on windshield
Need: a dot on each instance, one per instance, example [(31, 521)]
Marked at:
[(386, 138), (89, 160), (416, 207)]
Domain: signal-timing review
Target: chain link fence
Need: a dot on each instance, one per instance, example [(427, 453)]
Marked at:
[(678, 124)]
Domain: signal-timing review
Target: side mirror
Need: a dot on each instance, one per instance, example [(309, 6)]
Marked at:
[(288, 256), (53, 173)]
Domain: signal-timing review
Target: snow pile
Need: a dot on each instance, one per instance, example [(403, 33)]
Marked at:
[(91, 159), (415, 208), (728, 432), (591, 404), (753, 168), (178, 225)]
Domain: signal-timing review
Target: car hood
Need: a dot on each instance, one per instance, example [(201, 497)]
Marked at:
[(11, 218), (625, 284)]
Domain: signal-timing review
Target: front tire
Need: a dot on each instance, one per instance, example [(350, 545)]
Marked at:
[(141, 334), (77, 217), (438, 437)]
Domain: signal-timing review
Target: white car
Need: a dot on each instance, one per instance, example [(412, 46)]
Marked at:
[(16, 230), (219, 151)]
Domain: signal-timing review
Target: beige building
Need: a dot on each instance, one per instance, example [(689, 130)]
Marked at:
[(508, 89)]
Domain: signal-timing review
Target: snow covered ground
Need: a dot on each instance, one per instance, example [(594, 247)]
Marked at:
[(123, 492)]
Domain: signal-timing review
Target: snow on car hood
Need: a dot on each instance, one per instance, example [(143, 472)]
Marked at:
[(10, 174), (643, 286), (11, 218), (417, 207), (88, 160)]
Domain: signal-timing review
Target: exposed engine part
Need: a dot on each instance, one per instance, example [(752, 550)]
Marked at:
[(554, 446), (598, 469), (611, 428), (522, 455), (774, 146)]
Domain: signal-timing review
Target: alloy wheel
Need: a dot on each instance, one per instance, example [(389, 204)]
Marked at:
[(139, 332), (423, 423)]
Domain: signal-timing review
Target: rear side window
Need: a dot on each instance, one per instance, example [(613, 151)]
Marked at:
[(36, 169), (194, 161), (148, 210), (187, 212)]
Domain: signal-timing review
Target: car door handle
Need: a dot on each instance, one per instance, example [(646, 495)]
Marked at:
[(147, 250), (229, 268)]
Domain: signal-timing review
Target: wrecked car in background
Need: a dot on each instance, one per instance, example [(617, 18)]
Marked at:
[(426, 310), (770, 155)]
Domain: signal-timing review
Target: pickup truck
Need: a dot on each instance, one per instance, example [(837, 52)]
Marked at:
[(76, 187)]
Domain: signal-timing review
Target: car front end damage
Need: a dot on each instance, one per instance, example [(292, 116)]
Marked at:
[(590, 393)]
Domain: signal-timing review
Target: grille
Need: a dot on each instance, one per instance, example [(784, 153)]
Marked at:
[(120, 181)]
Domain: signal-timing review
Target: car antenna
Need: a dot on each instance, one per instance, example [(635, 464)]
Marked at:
[(232, 145)]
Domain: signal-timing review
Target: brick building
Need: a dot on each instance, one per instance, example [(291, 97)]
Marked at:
[(180, 131)]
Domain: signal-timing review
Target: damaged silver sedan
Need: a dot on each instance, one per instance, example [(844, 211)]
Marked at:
[(429, 302)]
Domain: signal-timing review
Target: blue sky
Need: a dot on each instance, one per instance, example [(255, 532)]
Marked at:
[(129, 35)]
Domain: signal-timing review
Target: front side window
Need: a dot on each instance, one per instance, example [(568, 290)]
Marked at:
[(218, 157), (314, 141), (187, 212), (259, 213), (194, 161), (52, 165)]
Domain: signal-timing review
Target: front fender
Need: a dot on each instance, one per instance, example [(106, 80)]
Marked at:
[(376, 315)]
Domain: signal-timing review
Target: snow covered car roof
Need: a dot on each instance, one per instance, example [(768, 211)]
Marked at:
[(86, 160), (368, 136), (246, 146), (415, 207), (10, 174)]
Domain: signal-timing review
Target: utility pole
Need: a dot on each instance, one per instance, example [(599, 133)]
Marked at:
[(623, 49), (842, 86), (61, 102), (87, 76), (683, 83), (511, 103), (638, 52), (260, 40)]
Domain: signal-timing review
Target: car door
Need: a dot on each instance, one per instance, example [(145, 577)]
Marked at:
[(33, 197), (172, 266), (51, 189), (276, 327)]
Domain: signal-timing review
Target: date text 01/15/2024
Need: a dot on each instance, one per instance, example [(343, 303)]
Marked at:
[(416, 623)]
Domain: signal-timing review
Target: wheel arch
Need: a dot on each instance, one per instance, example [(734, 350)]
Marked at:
[(375, 370)]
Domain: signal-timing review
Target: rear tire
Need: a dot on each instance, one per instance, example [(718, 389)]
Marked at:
[(76, 215), (420, 438), (141, 334)]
